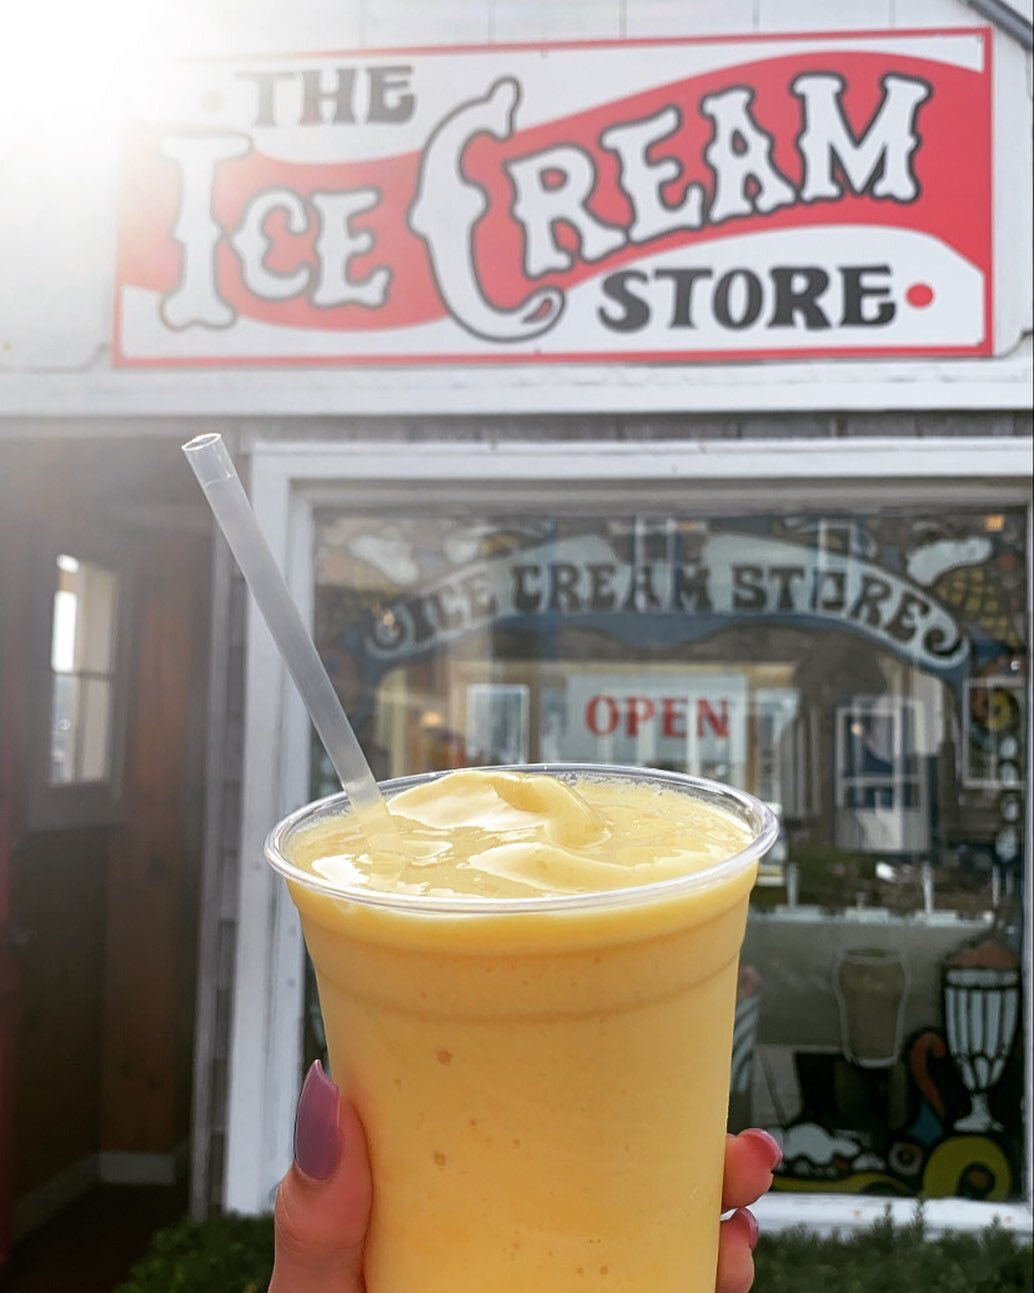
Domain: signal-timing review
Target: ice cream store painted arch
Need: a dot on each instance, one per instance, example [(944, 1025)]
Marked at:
[(646, 387)]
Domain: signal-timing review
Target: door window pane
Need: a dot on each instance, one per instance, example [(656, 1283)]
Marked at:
[(82, 661), (863, 673), (64, 729)]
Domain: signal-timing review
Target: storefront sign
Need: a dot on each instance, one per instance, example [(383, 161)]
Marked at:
[(741, 576), (824, 195)]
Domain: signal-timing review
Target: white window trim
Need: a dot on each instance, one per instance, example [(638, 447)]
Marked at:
[(289, 478)]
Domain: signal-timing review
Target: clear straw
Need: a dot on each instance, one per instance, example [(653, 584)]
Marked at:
[(217, 476)]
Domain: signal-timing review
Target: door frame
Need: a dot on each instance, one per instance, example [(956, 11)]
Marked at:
[(289, 478)]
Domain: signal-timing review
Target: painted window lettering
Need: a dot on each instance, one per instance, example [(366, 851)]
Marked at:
[(573, 580)]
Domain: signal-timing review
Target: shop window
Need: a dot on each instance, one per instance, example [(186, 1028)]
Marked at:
[(79, 783), (862, 672)]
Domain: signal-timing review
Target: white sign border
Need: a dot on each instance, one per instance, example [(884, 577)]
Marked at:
[(129, 300)]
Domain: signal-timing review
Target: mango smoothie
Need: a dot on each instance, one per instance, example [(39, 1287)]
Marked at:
[(528, 993)]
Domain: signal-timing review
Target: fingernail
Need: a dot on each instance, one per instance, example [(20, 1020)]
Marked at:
[(317, 1141), (773, 1150), (753, 1229)]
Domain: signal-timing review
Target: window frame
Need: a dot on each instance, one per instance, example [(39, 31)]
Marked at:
[(895, 709), (84, 804), (291, 478)]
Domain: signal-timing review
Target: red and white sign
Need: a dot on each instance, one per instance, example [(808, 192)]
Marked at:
[(819, 195), (696, 723)]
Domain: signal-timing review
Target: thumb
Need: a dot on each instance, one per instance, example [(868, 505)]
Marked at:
[(323, 1204)]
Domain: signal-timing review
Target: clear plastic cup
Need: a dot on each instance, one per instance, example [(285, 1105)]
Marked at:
[(544, 1081)]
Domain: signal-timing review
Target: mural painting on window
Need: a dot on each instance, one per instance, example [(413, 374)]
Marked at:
[(863, 673)]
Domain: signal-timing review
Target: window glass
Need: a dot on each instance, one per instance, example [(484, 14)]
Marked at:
[(82, 661), (862, 673)]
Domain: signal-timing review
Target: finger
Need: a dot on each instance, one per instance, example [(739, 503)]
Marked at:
[(323, 1204), (750, 1159), (738, 1236)]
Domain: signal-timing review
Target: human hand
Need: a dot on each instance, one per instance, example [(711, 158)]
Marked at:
[(323, 1204)]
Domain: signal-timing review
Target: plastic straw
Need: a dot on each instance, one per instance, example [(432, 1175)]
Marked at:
[(217, 476)]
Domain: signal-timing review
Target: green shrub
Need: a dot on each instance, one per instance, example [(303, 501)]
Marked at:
[(222, 1255), (889, 1258), (235, 1255)]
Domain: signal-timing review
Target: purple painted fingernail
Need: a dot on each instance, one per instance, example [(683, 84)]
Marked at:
[(317, 1141), (773, 1149), (753, 1229)]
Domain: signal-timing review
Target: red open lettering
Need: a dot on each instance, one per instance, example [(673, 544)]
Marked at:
[(718, 723), (610, 715), (638, 710), (673, 717), (605, 714)]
